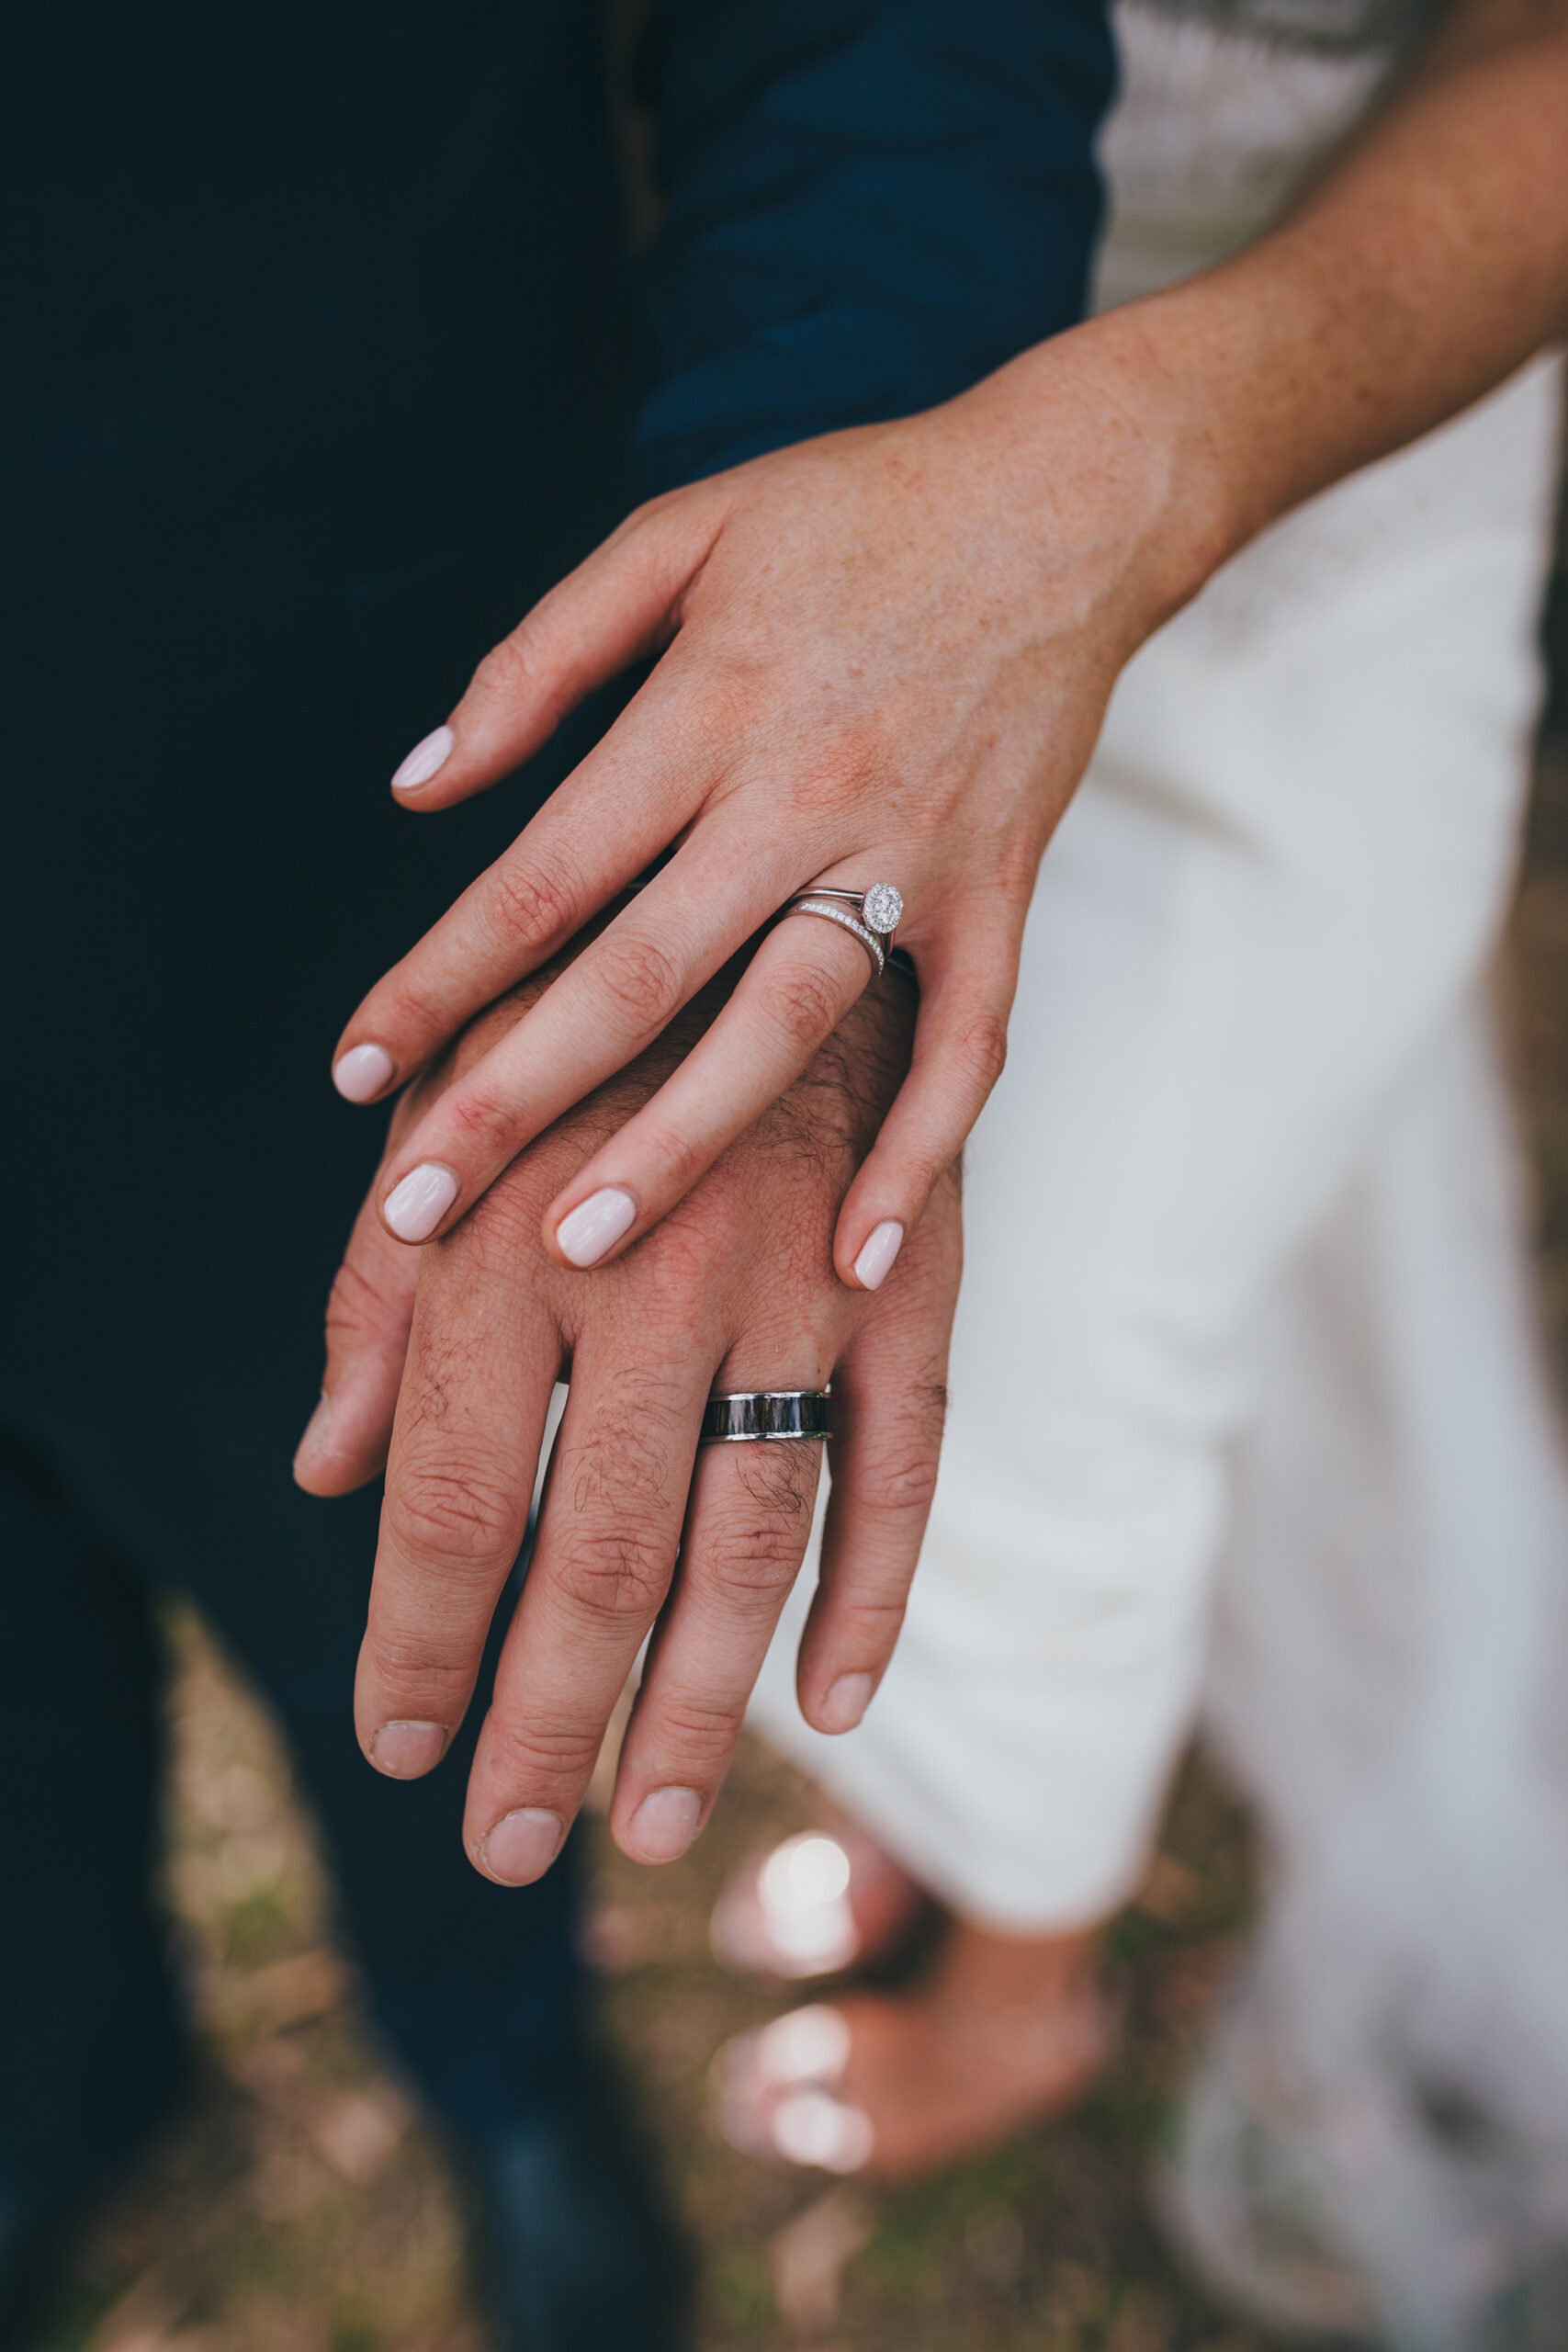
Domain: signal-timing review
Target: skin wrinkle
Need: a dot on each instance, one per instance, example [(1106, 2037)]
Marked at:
[(898, 640), (743, 1274)]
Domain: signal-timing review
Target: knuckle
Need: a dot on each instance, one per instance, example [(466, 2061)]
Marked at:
[(682, 1254), (717, 711), (866, 1625), (462, 1514), (357, 1307), (807, 1004), (904, 1475), (514, 666), (618, 1575), (542, 1748), (980, 1048), (858, 768), (640, 978), (930, 1170), (680, 1158), (875, 1611), (703, 1732), (478, 1118), (756, 1563), (533, 900), (438, 1663)]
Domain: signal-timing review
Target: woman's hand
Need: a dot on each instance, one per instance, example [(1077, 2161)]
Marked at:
[(885, 655)]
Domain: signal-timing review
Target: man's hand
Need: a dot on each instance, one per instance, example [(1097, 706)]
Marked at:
[(735, 1290)]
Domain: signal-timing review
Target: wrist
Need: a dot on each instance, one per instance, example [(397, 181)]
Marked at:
[(1171, 367), (1159, 391)]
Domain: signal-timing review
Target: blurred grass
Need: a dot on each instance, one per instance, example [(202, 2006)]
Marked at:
[(304, 2205)]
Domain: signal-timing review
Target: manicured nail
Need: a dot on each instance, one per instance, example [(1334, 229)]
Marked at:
[(315, 1431), (416, 1207), (846, 1701), (361, 1073), (878, 1253), (405, 1750), (522, 1846), (665, 1823), (427, 759), (594, 1225)]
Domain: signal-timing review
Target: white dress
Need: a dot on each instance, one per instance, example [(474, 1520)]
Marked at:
[(1242, 1322)]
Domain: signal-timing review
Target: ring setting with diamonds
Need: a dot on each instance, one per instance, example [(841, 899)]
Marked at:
[(871, 916)]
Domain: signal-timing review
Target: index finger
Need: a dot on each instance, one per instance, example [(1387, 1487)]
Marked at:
[(481, 1363), (616, 812)]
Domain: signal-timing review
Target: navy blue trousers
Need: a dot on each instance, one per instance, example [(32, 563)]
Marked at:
[(473, 1986)]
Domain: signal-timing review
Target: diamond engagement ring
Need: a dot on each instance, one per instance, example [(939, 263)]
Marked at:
[(753, 1414), (871, 916)]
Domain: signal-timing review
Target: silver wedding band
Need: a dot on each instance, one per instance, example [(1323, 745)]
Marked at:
[(871, 916), (751, 1415)]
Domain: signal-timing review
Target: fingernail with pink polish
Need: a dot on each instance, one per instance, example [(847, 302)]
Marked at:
[(665, 1823), (523, 1845), (427, 759), (361, 1073), (406, 1750), (877, 1253), (416, 1207), (594, 1225), (846, 1701)]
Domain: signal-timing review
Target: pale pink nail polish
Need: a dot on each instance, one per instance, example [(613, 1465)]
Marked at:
[(405, 1750), (594, 1225), (416, 1207), (877, 1253), (665, 1823), (361, 1073), (846, 1701), (427, 759), (523, 1845)]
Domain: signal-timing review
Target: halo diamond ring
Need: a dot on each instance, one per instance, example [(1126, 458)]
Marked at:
[(871, 916)]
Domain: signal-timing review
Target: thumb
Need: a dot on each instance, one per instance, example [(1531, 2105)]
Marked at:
[(618, 607), (368, 1317)]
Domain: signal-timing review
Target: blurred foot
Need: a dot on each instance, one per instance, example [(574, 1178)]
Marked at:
[(817, 1906), (1010, 2032), (578, 2251)]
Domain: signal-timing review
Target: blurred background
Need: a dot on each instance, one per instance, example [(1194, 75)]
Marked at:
[(303, 2204)]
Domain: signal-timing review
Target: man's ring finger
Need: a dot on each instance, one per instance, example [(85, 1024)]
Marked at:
[(753, 1414)]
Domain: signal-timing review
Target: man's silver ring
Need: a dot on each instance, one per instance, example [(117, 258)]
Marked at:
[(754, 1414), (871, 916)]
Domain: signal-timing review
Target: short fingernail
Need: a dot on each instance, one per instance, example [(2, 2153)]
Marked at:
[(594, 1225), (522, 1846), (878, 1253), (846, 1701), (361, 1073), (416, 1207), (404, 1750), (427, 759), (665, 1823)]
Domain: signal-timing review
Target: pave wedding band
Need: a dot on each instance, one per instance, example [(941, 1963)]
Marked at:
[(753, 1414), (871, 916)]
